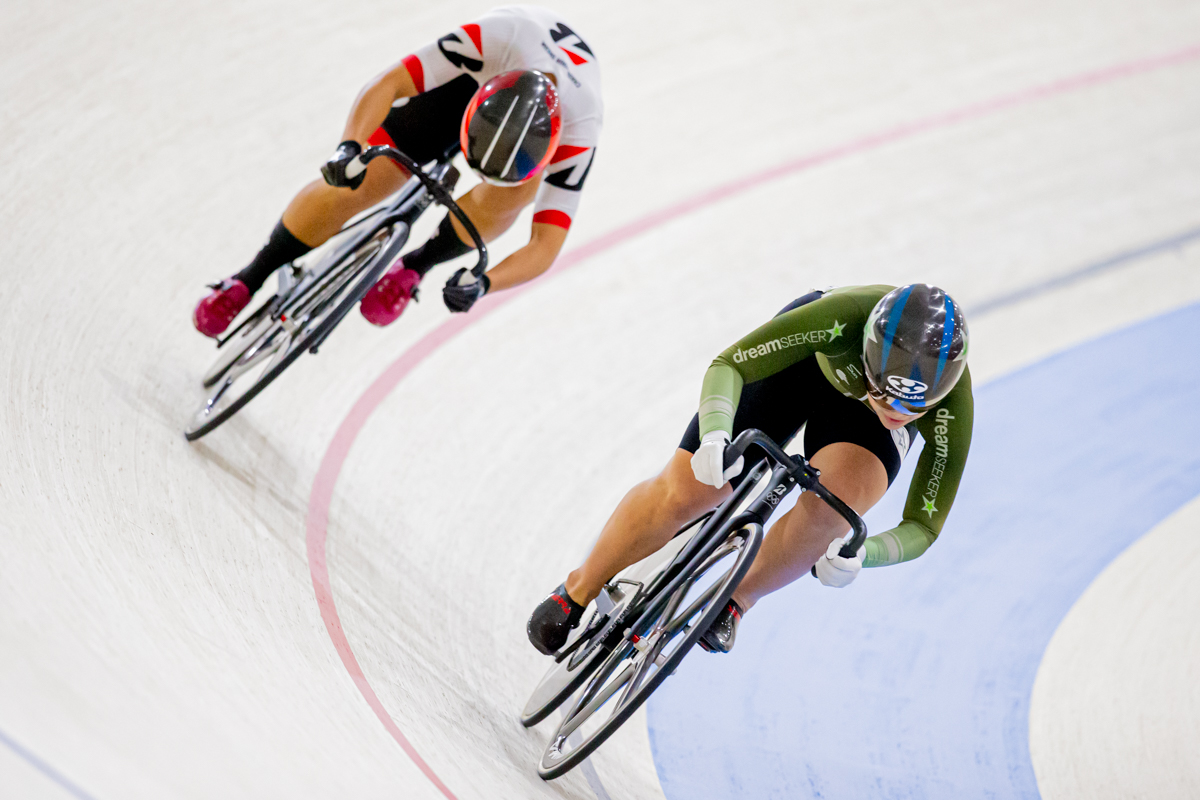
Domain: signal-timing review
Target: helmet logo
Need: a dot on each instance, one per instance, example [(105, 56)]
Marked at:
[(907, 387)]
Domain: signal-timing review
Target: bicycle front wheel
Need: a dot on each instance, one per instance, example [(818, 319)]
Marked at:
[(637, 665)]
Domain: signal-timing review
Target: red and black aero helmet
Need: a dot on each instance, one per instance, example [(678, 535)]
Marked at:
[(511, 127)]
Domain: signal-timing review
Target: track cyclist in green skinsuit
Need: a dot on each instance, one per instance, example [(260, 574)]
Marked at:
[(863, 368)]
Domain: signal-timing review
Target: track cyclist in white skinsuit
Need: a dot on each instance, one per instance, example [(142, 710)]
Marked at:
[(520, 90)]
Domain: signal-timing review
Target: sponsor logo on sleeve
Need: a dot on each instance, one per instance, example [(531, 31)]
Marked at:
[(941, 452), (557, 59), (463, 55), (794, 340), (573, 171), (570, 43)]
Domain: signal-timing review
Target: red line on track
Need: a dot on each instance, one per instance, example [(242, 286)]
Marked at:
[(347, 432)]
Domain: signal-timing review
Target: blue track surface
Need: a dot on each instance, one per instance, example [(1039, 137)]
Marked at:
[(915, 681)]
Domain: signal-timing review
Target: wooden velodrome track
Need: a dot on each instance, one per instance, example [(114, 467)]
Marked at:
[(160, 635)]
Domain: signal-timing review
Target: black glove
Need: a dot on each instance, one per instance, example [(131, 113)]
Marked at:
[(460, 297), (344, 167)]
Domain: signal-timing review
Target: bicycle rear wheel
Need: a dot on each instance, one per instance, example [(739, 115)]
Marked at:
[(267, 346), (564, 677), (599, 629), (636, 666), (246, 336)]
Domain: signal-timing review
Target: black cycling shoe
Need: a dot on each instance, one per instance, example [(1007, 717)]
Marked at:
[(720, 635), (551, 622)]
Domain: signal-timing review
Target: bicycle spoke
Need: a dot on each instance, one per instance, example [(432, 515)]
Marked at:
[(606, 669), (594, 704), (255, 356), (664, 634), (695, 608), (634, 670), (646, 662), (216, 397), (327, 288)]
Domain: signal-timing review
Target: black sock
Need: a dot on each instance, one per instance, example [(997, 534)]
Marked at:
[(281, 248), (442, 246)]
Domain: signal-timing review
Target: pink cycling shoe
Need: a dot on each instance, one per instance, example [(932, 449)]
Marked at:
[(386, 300), (214, 313)]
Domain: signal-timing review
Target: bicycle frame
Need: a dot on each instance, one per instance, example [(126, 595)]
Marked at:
[(787, 473), (314, 295), (422, 189)]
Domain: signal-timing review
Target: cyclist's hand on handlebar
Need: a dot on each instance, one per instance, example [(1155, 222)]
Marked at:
[(833, 570), (463, 289), (345, 168), (708, 464)]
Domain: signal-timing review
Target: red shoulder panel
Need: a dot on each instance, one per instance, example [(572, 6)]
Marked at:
[(416, 71), (473, 31)]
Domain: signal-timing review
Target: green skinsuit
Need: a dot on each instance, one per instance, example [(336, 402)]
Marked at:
[(831, 329)]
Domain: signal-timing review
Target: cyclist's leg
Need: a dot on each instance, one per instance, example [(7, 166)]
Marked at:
[(858, 459), (659, 507), (645, 520), (423, 127), (319, 210), (492, 209), (656, 509), (800, 537)]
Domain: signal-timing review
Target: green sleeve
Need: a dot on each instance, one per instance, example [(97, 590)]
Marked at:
[(904, 542), (819, 326), (947, 434)]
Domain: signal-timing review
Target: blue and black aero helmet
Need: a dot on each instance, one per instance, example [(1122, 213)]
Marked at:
[(914, 347)]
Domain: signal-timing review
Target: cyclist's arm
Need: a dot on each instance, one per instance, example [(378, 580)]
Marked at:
[(553, 209), (947, 434), (782, 342), (375, 100), (545, 241)]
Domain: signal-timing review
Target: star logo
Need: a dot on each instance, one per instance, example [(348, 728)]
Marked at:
[(836, 330), (929, 508)]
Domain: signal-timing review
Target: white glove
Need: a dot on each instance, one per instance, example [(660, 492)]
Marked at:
[(835, 571), (709, 461)]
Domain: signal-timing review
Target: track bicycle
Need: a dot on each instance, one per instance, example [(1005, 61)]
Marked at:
[(645, 620), (317, 290)]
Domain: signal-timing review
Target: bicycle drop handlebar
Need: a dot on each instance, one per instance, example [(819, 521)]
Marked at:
[(806, 475), (439, 193)]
